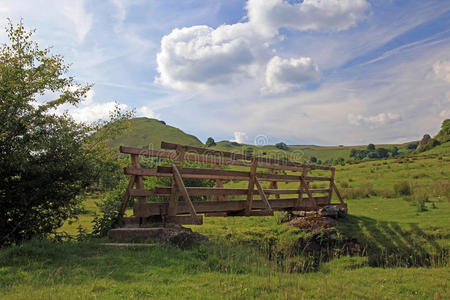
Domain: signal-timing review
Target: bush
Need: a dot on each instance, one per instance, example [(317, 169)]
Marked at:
[(282, 146), (402, 189)]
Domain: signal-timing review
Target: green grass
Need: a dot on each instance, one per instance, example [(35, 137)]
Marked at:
[(404, 249)]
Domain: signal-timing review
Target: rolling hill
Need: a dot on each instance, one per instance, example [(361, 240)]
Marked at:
[(148, 133)]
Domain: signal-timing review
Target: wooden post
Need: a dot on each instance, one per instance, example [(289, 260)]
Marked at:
[(179, 182), (251, 185), (219, 184), (274, 184), (263, 195), (300, 194), (126, 197), (139, 181), (173, 203), (308, 192), (330, 192)]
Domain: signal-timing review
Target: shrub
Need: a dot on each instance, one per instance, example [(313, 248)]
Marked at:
[(281, 146), (402, 188)]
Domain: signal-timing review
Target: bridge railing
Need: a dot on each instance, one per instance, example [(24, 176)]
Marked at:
[(256, 200)]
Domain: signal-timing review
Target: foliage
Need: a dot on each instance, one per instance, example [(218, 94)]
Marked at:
[(313, 159), (210, 142), (413, 146), (46, 159), (402, 188), (282, 146), (371, 147)]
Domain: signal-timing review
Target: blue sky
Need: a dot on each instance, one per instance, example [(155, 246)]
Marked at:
[(303, 72)]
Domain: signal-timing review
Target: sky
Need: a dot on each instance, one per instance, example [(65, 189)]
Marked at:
[(324, 72)]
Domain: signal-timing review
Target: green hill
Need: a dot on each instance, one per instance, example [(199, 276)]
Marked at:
[(148, 133)]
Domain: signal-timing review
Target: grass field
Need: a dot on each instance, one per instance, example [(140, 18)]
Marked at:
[(404, 237)]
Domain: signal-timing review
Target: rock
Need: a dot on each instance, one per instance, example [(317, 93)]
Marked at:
[(313, 223), (426, 138), (287, 216), (329, 211)]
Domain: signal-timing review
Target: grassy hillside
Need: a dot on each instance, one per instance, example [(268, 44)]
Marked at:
[(303, 152), (149, 133)]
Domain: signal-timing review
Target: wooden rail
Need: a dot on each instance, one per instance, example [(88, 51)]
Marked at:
[(256, 203)]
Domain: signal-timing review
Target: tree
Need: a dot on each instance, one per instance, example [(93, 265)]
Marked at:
[(210, 142), (281, 146), (313, 159), (46, 159), (394, 152), (371, 147)]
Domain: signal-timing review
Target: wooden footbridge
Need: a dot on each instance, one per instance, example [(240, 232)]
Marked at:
[(252, 169)]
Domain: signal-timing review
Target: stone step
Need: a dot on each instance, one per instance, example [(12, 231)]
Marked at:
[(127, 244), (124, 233)]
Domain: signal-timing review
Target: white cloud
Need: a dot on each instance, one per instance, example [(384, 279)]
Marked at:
[(374, 121), (239, 137), (445, 114), (199, 56), (145, 111), (284, 74), (442, 70), (94, 112), (323, 15), (74, 11)]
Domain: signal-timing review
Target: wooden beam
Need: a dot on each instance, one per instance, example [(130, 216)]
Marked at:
[(166, 171), (262, 194), (155, 208), (184, 193), (211, 191), (338, 194), (174, 190), (251, 184), (330, 191), (215, 159), (127, 195)]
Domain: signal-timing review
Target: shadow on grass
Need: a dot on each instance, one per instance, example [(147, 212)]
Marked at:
[(393, 244)]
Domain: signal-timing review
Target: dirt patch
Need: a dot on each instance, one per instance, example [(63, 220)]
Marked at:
[(313, 223)]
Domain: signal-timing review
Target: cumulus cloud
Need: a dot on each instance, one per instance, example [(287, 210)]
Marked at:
[(94, 112), (240, 137), (442, 70), (201, 56), (374, 121), (145, 111), (323, 15), (284, 74)]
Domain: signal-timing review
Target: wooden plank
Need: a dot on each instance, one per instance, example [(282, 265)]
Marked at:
[(155, 208), (139, 181), (166, 171), (338, 194), (127, 196), (330, 191), (211, 191), (215, 159), (251, 184), (302, 181), (262, 194), (182, 189), (174, 190)]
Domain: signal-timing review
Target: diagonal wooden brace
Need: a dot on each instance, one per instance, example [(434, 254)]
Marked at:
[(181, 187), (262, 194)]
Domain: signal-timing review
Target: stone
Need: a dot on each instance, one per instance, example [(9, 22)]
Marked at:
[(426, 138)]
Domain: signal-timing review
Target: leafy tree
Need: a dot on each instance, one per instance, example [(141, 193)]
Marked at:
[(210, 142), (46, 159), (394, 152), (313, 159), (281, 146), (413, 146), (371, 147), (382, 153)]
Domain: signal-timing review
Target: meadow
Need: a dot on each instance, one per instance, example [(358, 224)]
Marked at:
[(399, 212)]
